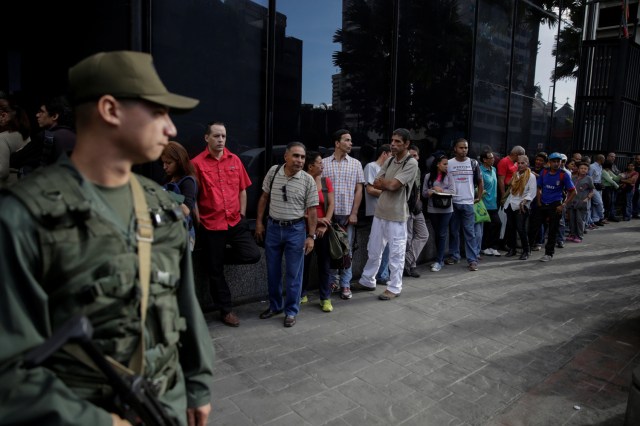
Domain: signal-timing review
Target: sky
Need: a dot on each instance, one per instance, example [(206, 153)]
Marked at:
[(545, 63), (314, 22)]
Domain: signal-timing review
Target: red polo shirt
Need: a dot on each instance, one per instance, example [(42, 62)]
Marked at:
[(221, 181)]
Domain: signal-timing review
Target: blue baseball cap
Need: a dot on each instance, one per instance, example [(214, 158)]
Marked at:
[(555, 156)]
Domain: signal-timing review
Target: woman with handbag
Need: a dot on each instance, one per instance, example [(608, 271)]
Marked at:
[(438, 190), (313, 166)]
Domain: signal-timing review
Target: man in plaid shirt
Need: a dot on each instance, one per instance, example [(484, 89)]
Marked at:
[(347, 177)]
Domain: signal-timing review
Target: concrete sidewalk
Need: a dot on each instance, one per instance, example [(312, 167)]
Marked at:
[(515, 343)]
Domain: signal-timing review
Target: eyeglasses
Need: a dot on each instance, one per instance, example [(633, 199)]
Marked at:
[(284, 193)]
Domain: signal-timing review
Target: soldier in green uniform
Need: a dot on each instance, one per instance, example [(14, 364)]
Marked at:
[(72, 243)]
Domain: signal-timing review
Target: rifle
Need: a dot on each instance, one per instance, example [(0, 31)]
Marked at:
[(135, 398)]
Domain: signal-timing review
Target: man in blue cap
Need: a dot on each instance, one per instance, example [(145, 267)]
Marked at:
[(552, 185)]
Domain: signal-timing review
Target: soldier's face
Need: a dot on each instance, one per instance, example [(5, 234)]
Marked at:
[(145, 130)]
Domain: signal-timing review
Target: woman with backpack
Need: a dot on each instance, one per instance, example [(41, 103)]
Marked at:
[(181, 180)]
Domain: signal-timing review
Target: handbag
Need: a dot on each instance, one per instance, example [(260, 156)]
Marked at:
[(441, 201), (481, 213), (339, 249)]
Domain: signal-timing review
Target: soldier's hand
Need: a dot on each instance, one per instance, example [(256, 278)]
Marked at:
[(116, 420)]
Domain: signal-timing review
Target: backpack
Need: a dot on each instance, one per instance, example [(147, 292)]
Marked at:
[(414, 202), (176, 194)]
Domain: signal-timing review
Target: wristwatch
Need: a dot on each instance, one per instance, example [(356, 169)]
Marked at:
[(312, 236)]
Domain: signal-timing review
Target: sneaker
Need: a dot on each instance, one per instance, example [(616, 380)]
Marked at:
[(326, 305), (346, 293), (487, 252), (560, 244), (473, 266), (537, 247), (356, 286), (451, 261), (304, 299), (546, 258), (569, 238), (335, 288), (387, 295), (436, 267), (496, 253), (577, 239)]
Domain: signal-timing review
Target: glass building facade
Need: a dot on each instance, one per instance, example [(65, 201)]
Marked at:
[(276, 71)]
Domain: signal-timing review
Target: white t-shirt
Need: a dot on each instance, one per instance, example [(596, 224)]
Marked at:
[(462, 174), (370, 172)]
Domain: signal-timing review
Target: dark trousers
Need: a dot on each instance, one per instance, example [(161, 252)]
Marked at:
[(321, 253), (517, 224), (233, 246), (609, 201), (547, 213), (491, 231)]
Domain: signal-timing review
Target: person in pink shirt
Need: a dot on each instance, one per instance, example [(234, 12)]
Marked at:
[(222, 203)]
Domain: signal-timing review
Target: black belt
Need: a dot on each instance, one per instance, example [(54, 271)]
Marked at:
[(286, 222)]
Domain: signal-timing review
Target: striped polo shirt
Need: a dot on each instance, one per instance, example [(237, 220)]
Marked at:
[(301, 193)]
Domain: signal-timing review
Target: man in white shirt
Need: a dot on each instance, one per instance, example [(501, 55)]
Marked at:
[(371, 195), (466, 176)]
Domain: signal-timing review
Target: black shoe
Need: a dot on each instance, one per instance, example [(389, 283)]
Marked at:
[(560, 244), (524, 255), (405, 273), (413, 273), (510, 253), (269, 313), (598, 223), (614, 219)]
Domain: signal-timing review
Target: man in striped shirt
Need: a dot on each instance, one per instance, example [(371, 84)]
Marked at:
[(347, 177), (291, 193)]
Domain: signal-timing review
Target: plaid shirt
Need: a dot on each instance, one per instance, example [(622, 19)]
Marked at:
[(345, 175)]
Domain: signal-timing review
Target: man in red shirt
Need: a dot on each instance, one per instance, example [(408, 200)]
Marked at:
[(506, 168), (222, 203)]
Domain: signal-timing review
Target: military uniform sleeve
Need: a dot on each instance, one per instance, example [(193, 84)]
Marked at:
[(36, 396), (196, 351)]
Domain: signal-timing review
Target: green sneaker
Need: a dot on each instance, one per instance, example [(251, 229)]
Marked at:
[(304, 299), (326, 305)]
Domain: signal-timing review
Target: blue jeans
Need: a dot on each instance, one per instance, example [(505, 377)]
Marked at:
[(463, 216), (440, 222), (287, 240), (383, 270), (597, 207), (478, 228), (628, 206), (343, 276)]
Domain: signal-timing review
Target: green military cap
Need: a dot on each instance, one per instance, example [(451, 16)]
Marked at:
[(122, 74)]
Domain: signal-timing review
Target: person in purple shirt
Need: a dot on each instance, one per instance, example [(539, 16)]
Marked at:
[(552, 184)]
